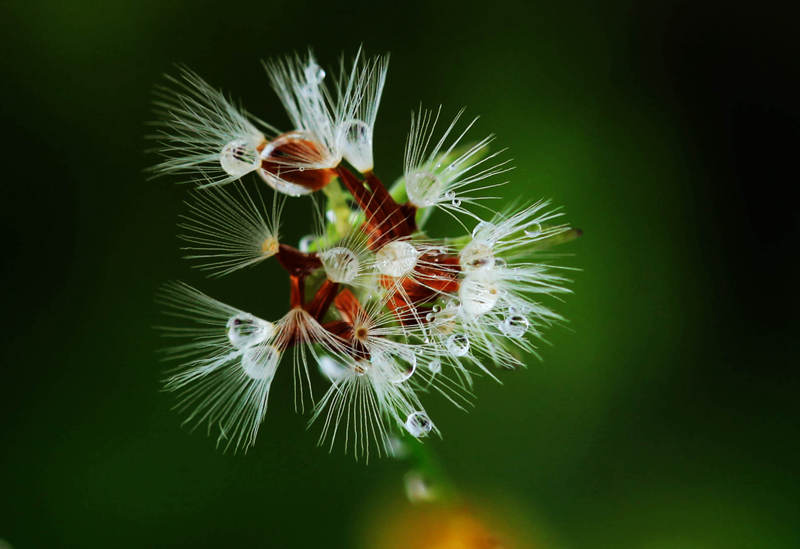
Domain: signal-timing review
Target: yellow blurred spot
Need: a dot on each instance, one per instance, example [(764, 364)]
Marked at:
[(433, 527), (270, 246)]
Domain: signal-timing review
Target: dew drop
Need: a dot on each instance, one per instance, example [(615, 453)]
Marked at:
[(435, 366), (476, 255), (515, 325), (436, 308), (484, 231), (357, 146), (534, 233), (423, 188), (246, 330), (429, 317), (457, 344), (331, 369), (396, 258), (238, 158), (260, 362), (314, 73), (478, 292), (450, 195), (340, 264), (418, 424), (456, 202), (305, 243)]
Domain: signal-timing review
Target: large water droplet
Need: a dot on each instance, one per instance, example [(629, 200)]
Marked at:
[(238, 158), (514, 325), (314, 74), (331, 368), (357, 147), (423, 188), (478, 292), (476, 255), (260, 362), (483, 231), (341, 265), (246, 330), (457, 344), (534, 233), (396, 258), (418, 424)]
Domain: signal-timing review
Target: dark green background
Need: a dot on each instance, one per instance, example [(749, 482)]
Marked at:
[(664, 416)]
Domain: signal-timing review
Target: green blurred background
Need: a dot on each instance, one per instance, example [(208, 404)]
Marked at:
[(664, 415)]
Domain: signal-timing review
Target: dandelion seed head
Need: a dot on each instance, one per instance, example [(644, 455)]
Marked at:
[(383, 313)]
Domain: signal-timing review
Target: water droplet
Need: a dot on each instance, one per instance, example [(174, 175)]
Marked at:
[(515, 325), (535, 232), (246, 330), (357, 146), (238, 158), (396, 258), (476, 255), (450, 195), (260, 362), (429, 317), (436, 308), (423, 188), (478, 292), (314, 73), (457, 344), (418, 424), (435, 366), (340, 264), (331, 368), (456, 202), (305, 243), (484, 231)]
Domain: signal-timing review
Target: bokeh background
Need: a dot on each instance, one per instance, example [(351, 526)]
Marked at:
[(665, 415)]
